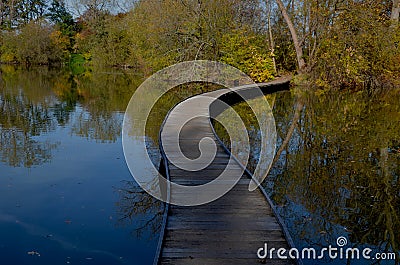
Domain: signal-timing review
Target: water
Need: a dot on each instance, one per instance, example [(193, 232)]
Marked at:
[(66, 194), (338, 174)]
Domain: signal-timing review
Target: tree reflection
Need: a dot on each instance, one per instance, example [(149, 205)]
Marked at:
[(24, 115), (136, 206), (341, 164), (18, 149), (103, 127), (35, 102)]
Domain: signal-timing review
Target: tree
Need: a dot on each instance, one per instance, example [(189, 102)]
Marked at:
[(8, 13), (359, 50), (29, 10), (2, 13), (36, 46), (165, 32), (395, 11), (16, 13), (82, 6), (58, 13), (115, 47), (270, 35), (65, 30), (299, 50)]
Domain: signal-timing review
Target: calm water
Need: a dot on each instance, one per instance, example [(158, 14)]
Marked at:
[(66, 193), (338, 173)]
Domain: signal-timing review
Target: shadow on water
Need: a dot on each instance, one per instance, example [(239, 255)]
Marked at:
[(336, 172)]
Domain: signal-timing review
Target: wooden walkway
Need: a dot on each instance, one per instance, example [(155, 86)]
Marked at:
[(229, 230)]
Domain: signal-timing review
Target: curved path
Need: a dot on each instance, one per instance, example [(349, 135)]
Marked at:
[(231, 229)]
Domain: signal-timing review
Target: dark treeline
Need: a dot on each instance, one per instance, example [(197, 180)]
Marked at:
[(344, 44)]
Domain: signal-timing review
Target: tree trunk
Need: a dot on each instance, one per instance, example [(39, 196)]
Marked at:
[(271, 39), (2, 9), (395, 11), (299, 51), (384, 157)]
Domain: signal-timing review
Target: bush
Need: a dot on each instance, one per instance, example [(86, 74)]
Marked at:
[(8, 48), (247, 52), (359, 51), (36, 43)]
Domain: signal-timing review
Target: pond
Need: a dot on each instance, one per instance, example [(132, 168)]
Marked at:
[(67, 196), (336, 172), (66, 193)]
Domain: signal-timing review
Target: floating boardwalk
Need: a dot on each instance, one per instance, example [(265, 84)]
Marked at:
[(230, 229)]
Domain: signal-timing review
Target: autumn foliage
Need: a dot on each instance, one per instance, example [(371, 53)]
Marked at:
[(341, 44)]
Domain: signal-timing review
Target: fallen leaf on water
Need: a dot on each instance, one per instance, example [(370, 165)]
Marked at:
[(34, 253)]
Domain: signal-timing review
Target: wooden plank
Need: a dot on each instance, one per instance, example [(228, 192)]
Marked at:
[(227, 235), (215, 252), (222, 208), (240, 226)]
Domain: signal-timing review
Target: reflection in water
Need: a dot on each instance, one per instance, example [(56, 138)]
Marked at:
[(337, 172), (134, 202), (65, 190), (105, 127), (35, 102), (66, 129), (337, 168), (24, 115)]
